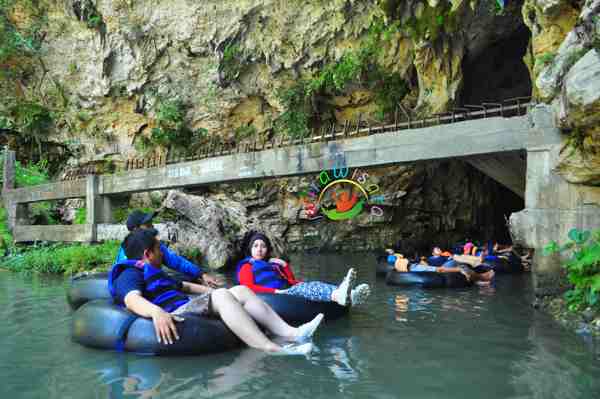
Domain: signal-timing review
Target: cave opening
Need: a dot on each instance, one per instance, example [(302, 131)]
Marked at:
[(498, 72)]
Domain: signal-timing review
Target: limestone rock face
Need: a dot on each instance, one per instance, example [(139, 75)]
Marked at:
[(582, 91), (549, 80), (212, 226), (226, 60), (581, 165), (567, 73)]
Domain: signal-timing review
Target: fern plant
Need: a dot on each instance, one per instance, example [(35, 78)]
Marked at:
[(583, 267)]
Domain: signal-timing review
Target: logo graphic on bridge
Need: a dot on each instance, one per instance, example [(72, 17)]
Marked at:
[(338, 197)]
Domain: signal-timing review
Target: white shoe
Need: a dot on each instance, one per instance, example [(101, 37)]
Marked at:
[(295, 349), (306, 330), (342, 292), (360, 294)]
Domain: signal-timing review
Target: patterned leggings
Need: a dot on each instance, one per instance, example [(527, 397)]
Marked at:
[(312, 290)]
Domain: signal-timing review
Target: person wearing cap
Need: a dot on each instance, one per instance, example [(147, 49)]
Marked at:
[(146, 290), (139, 220), (276, 277)]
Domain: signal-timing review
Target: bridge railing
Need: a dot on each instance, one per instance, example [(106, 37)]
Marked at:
[(162, 174), (403, 120)]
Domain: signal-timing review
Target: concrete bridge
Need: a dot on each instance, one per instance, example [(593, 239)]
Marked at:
[(518, 151)]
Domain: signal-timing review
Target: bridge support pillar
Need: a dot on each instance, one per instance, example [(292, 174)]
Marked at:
[(15, 213), (92, 204), (104, 209), (553, 206)]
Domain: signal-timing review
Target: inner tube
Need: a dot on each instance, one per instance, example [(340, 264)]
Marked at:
[(294, 310), (502, 265), (427, 279), (99, 324), (87, 287)]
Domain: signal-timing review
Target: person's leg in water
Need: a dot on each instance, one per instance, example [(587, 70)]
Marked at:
[(237, 318), (323, 292), (264, 315)]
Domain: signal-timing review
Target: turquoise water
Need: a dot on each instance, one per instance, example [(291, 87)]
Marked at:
[(473, 343)]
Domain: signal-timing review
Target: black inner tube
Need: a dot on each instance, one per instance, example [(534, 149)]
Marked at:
[(98, 324), (427, 279)]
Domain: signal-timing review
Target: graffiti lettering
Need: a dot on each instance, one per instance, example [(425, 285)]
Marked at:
[(340, 170), (362, 179), (372, 188), (376, 211), (378, 199), (324, 178)]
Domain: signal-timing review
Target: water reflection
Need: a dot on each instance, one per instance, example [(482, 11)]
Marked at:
[(551, 370), (131, 376), (406, 343)]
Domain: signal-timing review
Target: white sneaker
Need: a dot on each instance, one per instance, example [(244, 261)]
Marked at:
[(295, 349), (342, 292), (359, 295), (306, 330)]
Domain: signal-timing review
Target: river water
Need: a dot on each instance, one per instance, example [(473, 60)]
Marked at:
[(404, 343)]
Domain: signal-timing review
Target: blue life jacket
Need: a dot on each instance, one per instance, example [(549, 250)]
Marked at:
[(391, 259), (265, 274), (160, 289), (171, 260), (437, 260)]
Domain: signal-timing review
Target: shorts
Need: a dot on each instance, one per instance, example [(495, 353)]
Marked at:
[(198, 304)]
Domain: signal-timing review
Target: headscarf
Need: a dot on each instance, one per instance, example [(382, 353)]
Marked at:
[(262, 237)]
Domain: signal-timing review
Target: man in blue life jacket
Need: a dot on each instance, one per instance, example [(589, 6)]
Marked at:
[(139, 220), (146, 290)]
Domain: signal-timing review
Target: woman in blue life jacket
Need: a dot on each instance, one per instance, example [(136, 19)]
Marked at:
[(139, 220), (147, 291), (276, 277)]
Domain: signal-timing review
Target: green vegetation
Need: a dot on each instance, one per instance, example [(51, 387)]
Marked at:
[(95, 21), (576, 141), (583, 268), (19, 47), (32, 120), (61, 258), (172, 130), (233, 62), (544, 59), (245, 131), (80, 216), (165, 215), (294, 120), (498, 8), (354, 67), (31, 174), (6, 240), (433, 22)]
